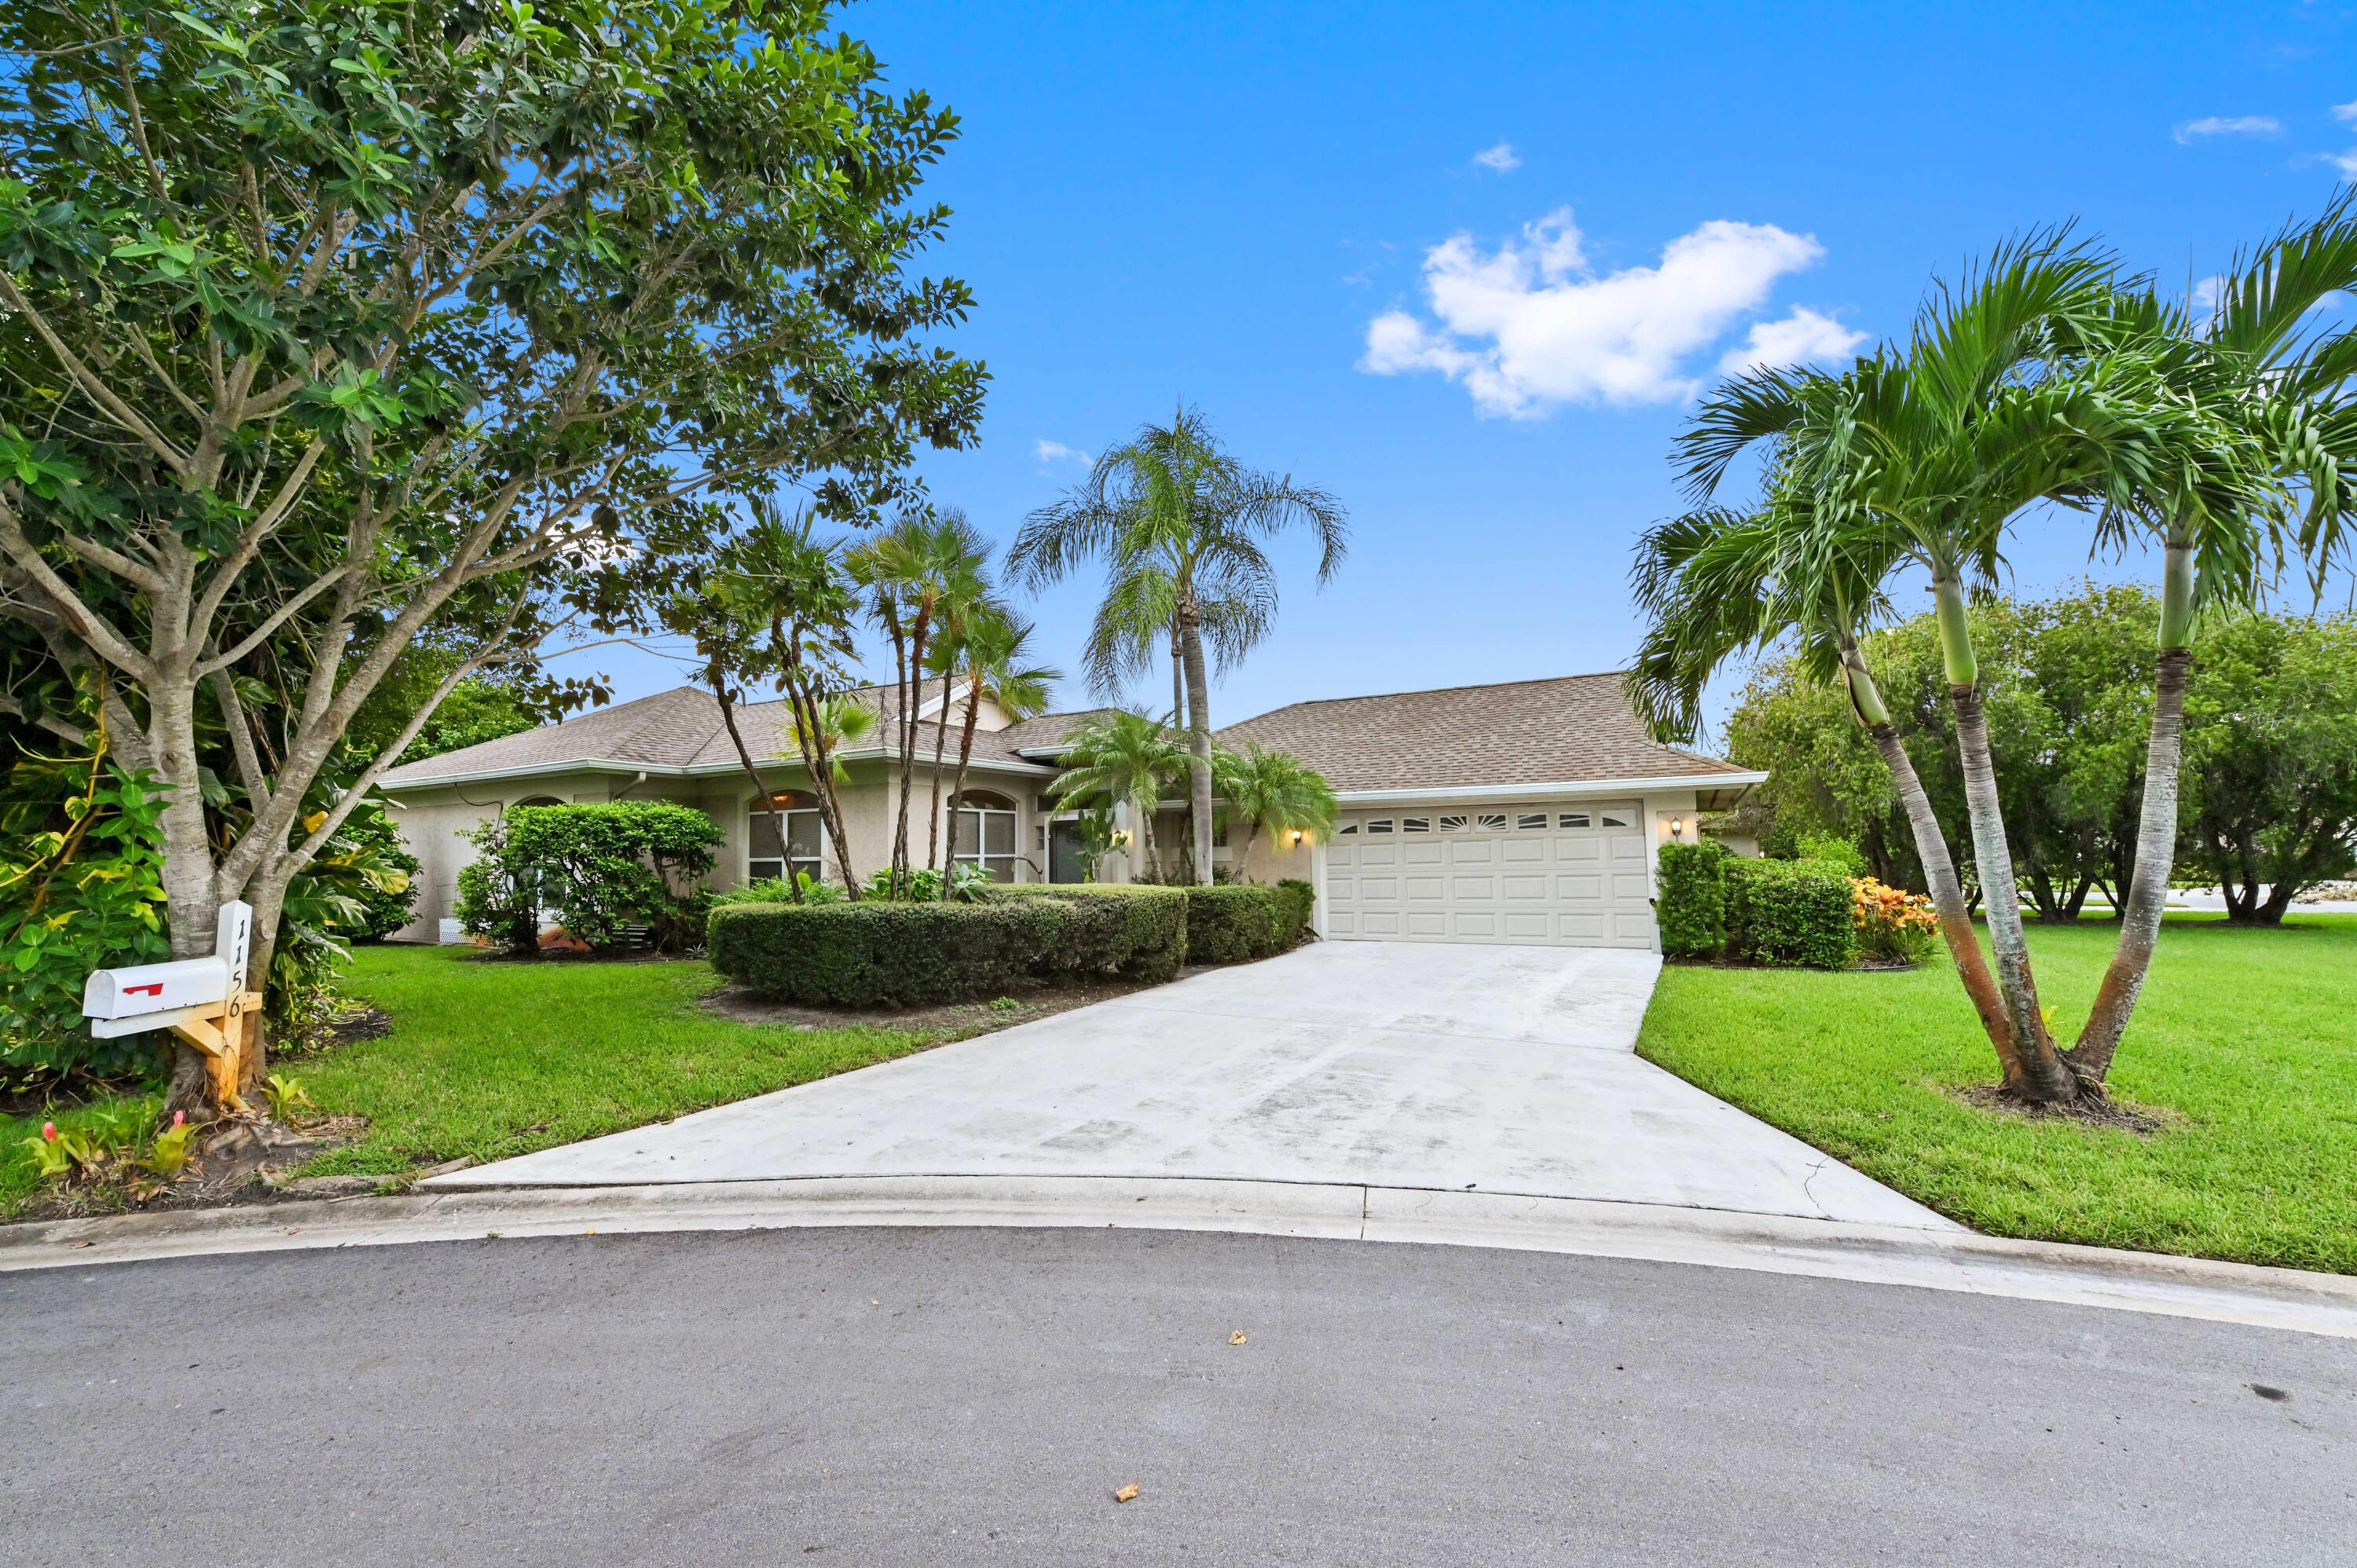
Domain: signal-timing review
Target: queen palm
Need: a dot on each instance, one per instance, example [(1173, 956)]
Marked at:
[(1929, 455), (915, 573), (1180, 524), (1273, 792), (1122, 758), (996, 656)]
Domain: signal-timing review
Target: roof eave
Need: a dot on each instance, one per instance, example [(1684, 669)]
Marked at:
[(672, 770), (1639, 786)]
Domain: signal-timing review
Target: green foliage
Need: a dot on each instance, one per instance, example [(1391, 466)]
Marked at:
[(1692, 908), (2271, 758), (778, 890), (1833, 850), (1893, 925), (599, 868), (285, 1094), (912, 953), (80, 867), (371, 862), (967, 883), (1237, 921), (1270, 792), (169, 1153), (1791, 912)]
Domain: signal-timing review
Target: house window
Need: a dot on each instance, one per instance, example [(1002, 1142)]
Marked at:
[(785, 837), (985, 833), (1531, 822), (1380, 825), (1489, 822), (1415, 824), (1456, 823), (1616, 819), (1572, 819)]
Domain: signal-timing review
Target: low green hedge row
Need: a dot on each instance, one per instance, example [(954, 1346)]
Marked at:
[(874, 953), (1239, 920), (1782, 912)]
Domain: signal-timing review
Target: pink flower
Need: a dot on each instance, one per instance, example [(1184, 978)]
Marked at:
[(49, 1131), (179, 1117)]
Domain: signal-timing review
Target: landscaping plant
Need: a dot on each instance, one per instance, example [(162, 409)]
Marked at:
[(1180, 525), (597, 868), (1894, 925), (334, 328)]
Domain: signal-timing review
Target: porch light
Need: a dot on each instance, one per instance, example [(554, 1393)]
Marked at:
[(1120, 839), (1677, 827), (1297, 838)]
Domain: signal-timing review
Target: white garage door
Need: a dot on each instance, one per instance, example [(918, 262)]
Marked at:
[(1569, 873)]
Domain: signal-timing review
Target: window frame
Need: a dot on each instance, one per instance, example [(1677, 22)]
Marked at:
[(786, 862), (973, 815)]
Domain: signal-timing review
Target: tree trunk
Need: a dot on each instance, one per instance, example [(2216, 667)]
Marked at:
[(941, 748), (965, 756), (1947, 889), (2045, 1076), (1198, 735), (2156, 854), (760, 789), (911, 693)]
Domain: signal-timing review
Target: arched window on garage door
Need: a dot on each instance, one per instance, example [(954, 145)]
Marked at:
[(986, 833), (785, 836)]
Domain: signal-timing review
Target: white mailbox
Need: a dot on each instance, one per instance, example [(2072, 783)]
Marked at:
[(162, 995), (112, 993)]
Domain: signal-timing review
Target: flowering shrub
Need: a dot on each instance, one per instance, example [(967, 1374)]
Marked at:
[(1893, 925)]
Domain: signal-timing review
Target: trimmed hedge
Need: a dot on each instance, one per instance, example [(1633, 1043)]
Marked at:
[(875, 953), (1692, 908), (1791, 912), (1231, 922)]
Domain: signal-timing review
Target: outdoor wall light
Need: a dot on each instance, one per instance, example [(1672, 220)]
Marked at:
[(1677, 827), (1297, 838)]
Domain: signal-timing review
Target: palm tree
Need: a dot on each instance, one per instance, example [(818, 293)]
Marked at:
[(1180, 524), (2262, 354), (997, 650), (1928, 457), (1715, 584), (839, 720), (1273, 790), (1122, 757), (914, 573)]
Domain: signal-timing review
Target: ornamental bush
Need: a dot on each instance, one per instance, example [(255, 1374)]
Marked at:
[(599, 869), (1791, 912), (1692, 907), (878, 953), (1239, 920), (1893, 925)]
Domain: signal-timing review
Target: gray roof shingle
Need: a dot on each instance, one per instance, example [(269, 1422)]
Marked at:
[(1566, 730)]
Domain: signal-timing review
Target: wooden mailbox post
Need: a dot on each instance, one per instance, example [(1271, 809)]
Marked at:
[(204, 1001)]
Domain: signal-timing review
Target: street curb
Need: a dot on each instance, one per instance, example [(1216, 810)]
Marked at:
[(2288, 1299)]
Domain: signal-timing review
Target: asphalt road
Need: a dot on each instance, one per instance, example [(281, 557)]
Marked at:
[(930, 1397)]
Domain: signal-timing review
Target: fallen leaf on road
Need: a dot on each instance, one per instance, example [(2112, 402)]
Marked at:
[(1127, 1494), (1237, 1337)]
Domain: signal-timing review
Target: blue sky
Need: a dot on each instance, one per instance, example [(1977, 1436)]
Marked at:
[(1218, 203)]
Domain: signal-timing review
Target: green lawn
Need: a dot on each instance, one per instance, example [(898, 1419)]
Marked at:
[(491, 1060), (2246, 1040)]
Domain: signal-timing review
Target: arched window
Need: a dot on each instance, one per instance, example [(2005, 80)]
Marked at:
[(785, 836), (539, 800), (986, 833)]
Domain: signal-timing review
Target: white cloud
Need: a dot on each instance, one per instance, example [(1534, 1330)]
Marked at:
[(1053, 451), (1802, 338), (2345, 112), (2228, 126), (1500, 157), (1533, 324), (2345, 162)]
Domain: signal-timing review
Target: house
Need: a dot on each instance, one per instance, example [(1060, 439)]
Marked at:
[(1527, 812)]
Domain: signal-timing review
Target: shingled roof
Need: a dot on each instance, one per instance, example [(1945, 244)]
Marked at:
[(680, 731), (1572, 729)]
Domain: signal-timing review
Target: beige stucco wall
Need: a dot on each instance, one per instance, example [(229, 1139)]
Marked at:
[(432, 820)]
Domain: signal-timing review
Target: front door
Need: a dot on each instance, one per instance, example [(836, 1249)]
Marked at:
[(1065, 861)]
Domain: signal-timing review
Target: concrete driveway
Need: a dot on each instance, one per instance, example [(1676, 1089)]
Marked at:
[(1496, 1070)]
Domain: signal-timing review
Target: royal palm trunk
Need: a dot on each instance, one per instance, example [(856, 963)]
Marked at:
[(1199, 737)]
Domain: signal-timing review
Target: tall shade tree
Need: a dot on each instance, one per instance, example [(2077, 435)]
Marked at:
[(1180, 526), (1274, 792), (1929, 456), (2281, 369), (329, 325), (1121, 759)]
